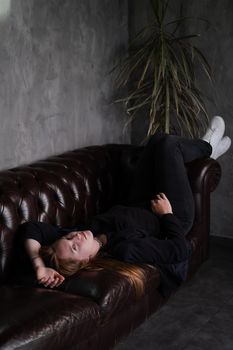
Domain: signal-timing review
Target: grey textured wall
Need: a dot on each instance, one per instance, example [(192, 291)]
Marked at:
[(217, 43), (55, 90)]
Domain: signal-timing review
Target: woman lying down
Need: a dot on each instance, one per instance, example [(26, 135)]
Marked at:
[(150, 229)]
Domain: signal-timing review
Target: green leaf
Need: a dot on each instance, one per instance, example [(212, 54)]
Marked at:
[(167, 109), (205, 64)]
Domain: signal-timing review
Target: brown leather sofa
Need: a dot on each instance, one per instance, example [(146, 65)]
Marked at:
[(94, 309)]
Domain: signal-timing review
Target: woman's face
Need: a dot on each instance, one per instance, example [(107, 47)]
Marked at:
[(76, 246)]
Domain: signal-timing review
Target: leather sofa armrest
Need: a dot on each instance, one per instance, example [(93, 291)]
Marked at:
[(204, 173), (204, 176)]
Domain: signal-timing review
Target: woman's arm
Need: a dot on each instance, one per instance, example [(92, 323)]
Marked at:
[(45, 275), (32, 248)]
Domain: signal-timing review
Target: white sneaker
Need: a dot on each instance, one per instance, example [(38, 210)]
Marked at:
[(215, 132), (223, 146)]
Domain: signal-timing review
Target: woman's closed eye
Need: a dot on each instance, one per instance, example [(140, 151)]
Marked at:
[(70, 235), (68, 238)]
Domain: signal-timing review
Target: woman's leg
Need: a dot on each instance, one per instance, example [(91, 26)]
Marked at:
[(143, 183), (161, 168)]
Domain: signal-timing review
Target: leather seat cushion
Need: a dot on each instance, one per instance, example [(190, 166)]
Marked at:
[(51, 318)]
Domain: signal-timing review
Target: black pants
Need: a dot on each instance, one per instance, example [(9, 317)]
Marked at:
[(161, 168)]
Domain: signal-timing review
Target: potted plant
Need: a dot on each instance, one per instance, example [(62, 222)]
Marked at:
[(160, 75)]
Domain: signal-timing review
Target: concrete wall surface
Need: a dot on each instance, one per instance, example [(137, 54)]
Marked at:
[(56, 90), (216, 42)]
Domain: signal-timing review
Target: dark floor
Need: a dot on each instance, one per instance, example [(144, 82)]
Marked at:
[(199, 316)]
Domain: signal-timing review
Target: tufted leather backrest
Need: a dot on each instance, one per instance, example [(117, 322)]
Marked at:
[(62, 190), (70, 188)]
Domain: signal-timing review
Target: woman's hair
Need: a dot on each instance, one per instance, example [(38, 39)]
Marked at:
[(65, 267), (133, 273)]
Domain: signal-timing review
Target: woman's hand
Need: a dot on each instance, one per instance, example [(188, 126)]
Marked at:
[(48, 277), (160, 205)]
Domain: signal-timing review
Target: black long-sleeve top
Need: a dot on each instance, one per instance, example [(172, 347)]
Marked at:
[(134, 235)]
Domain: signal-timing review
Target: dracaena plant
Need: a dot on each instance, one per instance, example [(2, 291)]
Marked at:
[(160, 75)]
